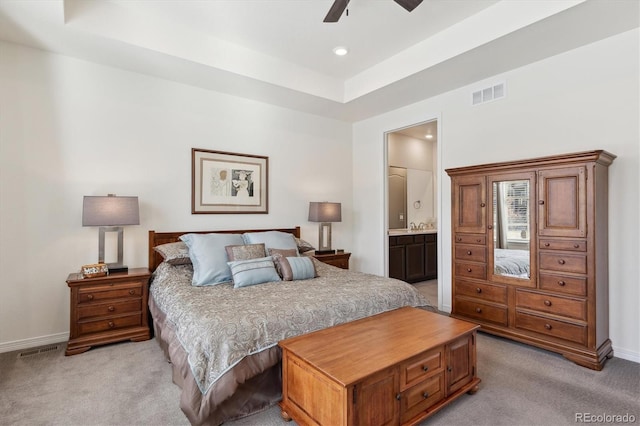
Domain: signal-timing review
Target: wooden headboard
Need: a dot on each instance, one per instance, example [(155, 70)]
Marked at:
[(158, 238)]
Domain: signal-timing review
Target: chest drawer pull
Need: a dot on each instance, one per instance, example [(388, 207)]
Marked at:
[(479, 310), (478, 290), (90, 296), (478, 240), (482, 204), (547, 244), (425, 395), (398, 396), (468, 269), (459, 239), (561, 261), (111, 324), (111, 309), (132, 292), (469, 252), (561, 283), (541, 202), (547, 326), (576, 246), (425, 368), (547, 302)]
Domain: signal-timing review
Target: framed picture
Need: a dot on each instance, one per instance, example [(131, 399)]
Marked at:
[(227, 182)]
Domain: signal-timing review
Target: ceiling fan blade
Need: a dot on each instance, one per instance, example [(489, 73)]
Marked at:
[(409, 4), (336, 10)]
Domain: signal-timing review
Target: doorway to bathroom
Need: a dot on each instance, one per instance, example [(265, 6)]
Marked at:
[(412, 207)]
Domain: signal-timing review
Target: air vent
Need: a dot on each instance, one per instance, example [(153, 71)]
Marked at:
[(38, 351), (488, 94)]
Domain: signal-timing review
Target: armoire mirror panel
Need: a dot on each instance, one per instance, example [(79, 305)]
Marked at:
[(511, 218)]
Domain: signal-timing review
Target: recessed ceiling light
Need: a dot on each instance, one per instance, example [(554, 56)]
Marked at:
[(340, 50)]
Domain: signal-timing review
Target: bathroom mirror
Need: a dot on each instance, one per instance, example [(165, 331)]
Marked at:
[(511, 226)]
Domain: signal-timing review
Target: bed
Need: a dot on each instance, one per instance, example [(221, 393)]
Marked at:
[(513, 263), (222, 340)]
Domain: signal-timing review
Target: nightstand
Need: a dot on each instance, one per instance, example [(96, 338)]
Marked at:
[(341, 260), (108, 309)]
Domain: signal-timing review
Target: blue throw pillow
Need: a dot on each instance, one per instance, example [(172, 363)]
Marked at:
[(272, 240), (253, 271), (302, 268), (209, 257)]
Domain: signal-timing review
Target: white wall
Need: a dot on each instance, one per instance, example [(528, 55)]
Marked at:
[(582, 100), (71, 128)]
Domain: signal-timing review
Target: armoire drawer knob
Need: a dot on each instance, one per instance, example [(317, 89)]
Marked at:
[(111, 324), (478, 240), (547, 326), (561, 261), (90, 296), (490, 226), (482, 204), (541, 202), (547, 244), (576, 246), (469, 252), (561, 283), (111, 309), (425, 395), (479, 310), (459, 239), (547, 302), (132, 292), (425, 368), (478, 290), (468, 269)]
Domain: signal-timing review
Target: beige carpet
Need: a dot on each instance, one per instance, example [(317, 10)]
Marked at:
[(130, 384)]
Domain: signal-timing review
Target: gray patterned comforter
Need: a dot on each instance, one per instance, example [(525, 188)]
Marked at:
[(218, 326)]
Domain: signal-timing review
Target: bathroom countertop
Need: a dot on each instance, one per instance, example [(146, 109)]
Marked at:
[(410, 232)]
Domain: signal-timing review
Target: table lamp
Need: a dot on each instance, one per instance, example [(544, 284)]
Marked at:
[(325, 213), (110, 213)]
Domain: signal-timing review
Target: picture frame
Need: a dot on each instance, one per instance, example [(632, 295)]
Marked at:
[(228, 182)]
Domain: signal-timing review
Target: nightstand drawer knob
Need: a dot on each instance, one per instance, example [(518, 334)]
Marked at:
[(547, 326), (547, 302), (425, 395), (111, 309), (478, 290), (425, 368), (478, 310), (90, 296), (561, 261), (132, 292), (111, 324), (561, 283), (469, 252)]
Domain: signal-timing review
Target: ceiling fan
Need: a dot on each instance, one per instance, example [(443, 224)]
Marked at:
[(339, 6)]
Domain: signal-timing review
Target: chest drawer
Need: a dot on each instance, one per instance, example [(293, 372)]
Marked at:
[(481, 311), (420, 367), (471, 253), (421, 396), (109, 292), (565, 245), (550, 327), (557, 305), (471, 270), (486, 292), (109, 324), (106, 309), (564, 284), (480, 239), (563, 262)]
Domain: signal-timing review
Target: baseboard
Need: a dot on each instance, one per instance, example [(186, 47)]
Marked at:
[(18, 345), (626, 354)]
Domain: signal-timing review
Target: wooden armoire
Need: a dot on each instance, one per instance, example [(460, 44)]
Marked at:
[(529, 252)]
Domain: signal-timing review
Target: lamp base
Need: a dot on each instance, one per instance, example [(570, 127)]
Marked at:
[(115, 268), (325, 252)]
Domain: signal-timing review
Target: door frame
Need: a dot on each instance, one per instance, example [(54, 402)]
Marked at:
[(438, 173)]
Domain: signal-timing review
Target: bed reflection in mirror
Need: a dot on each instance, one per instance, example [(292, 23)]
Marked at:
[(511, 230)]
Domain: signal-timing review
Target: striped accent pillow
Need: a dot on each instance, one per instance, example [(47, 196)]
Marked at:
[(296, 268), (253, 271)]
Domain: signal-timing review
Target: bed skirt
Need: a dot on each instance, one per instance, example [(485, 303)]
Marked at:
[(253, 385)]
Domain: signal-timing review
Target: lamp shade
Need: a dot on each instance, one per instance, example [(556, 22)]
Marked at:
[(325, 212), (110, 211)]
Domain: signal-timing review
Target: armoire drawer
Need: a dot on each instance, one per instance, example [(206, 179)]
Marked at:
[(486, 292), (471, 253), (471, 270), (566, 245), (562, 330), (481, 311), (480, 239), (563, 284), (557, 305), (563, 262)]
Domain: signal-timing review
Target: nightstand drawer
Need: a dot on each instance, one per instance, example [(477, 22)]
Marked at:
[(106, 309), (109, 324), (109, 292), (339, 260)]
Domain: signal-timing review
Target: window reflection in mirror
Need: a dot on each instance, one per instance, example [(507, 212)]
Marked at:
[(511, 228)]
